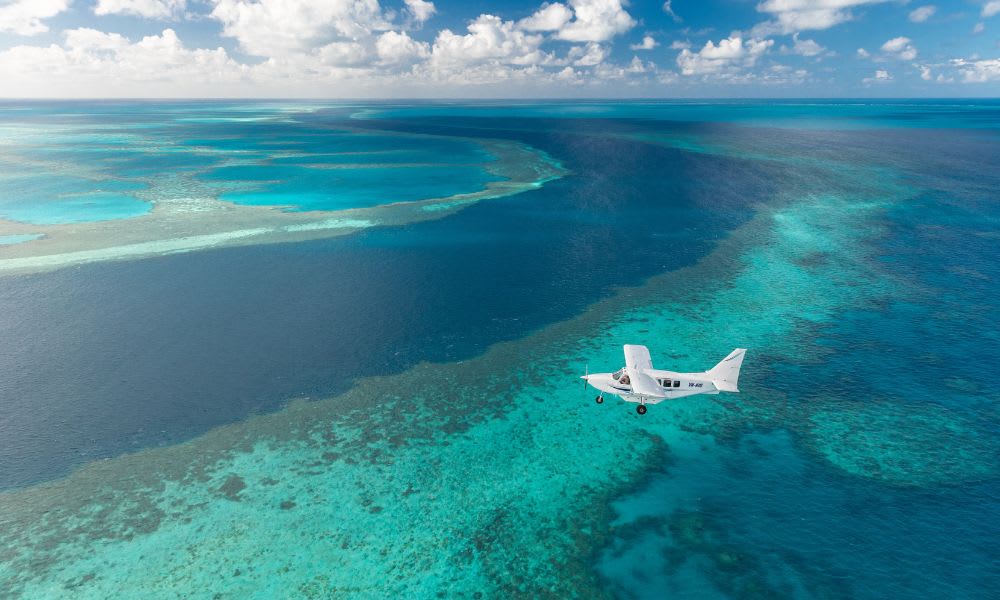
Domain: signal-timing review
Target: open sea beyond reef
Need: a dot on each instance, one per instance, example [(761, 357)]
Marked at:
[(332, 350)]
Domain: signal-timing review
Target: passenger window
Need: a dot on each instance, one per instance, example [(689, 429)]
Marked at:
[(677, 383), (665, 382)]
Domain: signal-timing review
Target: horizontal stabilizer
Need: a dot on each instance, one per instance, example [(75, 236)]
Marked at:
[(726, 375)]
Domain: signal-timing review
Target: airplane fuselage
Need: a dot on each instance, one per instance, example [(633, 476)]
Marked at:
[(680, 385)]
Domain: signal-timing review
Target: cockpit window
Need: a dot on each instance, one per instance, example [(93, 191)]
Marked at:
[(618, 374)]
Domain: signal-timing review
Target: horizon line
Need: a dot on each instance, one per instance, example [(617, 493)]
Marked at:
[(485, 99)]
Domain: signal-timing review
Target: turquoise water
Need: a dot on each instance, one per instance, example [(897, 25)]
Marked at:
[(397, 413), (90, 163), (312, 188), (52, 198)]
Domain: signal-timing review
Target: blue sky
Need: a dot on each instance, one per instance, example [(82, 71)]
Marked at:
[(493, 48)]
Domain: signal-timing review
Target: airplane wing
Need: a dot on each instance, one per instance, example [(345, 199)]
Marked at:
[(637, 362)]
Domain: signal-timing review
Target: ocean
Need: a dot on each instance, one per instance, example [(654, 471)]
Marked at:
[(280, 349)]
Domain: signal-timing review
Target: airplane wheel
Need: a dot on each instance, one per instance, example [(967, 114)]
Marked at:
[(641, 409), (599, 399)]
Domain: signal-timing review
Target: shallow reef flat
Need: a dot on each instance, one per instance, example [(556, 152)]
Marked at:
[(192, 223), (103, 192), (496, 476)]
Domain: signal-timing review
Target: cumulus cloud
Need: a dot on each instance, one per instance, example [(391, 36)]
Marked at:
[(925, 72), (978, 71), (581, 20), (637, 66), (420, 10), (862, 53), (489, 39), (921, 14), (789, 16), (278, 28), (990, 8), (588, 56), (803, 47), (900, 48), (596, 21), (340, 54), (647, 43), (498, 43), (728, 58), (397, 48), (881, 76), (25, 17), (92, 62), (150, 9), (550, 17)]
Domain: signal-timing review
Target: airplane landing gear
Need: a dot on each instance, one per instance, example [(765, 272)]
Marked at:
[(641, 409), (599, 399)]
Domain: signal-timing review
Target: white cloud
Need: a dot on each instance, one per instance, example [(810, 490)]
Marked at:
[(789, 16), (925, 72), (94, 63), (581, 20), (637, 66), (647, 43), (881, 76), (990, 8), (588, 56), (978, 71), (151, 9), (900, 48), (420, 10), (569, 75), (342, 54), (399, 48), (490, 39), (680, 45), (278, 28), (804, 47), (550, 17), (783, 74), (669, 9), (921, 14), (24, 17), (729, 57), (979, 28), (595, 21), (862, 53)]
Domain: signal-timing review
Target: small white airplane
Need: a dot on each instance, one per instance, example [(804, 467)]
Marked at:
[(639, 382)]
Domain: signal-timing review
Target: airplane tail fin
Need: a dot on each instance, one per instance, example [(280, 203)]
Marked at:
[(726, 374)]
